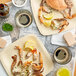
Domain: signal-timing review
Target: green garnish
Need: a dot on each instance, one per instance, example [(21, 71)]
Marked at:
[(7, 27)]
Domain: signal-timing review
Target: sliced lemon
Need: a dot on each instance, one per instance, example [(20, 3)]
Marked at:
[(63, 72), (28, 49), (47, 23), (29, 44), (48, 16)]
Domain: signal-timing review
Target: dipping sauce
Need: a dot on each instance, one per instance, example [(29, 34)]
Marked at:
[(62, 55), (23, 18), (63, 72)]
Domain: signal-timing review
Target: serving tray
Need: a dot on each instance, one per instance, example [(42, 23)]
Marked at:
[(6, 60)]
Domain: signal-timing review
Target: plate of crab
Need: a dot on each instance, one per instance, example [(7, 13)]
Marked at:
[(26, 57), (54, 16)]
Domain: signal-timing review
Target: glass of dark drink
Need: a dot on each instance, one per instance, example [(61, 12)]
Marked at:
[(4, 10)]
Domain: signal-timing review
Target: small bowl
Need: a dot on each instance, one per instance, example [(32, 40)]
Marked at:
[(4, 32), (13, 1), (68, 57), (21, 12)]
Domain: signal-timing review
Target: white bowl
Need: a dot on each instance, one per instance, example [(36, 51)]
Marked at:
[(13, 1)]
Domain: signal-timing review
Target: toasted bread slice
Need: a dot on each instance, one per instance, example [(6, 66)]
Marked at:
[(2, 43), (69, 38)]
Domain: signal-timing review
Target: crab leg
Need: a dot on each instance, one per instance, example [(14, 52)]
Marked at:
[(20, 55), (68, 15), (42, 2), (34, 56), (60, 19), (14, 62), (28, 55), (40, 66), (16, 73), (69, 11), (34, 52), (63, 25), (39, 13), (37, 74), (27, 63), (74, 15)]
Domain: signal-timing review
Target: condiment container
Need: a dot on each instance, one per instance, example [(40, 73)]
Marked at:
[(63, 71), (4, 10), (23, 18), (62, 55), (5, 32), (19, 3)]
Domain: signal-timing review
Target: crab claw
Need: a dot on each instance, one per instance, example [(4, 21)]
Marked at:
[(40, 66), (27, 63), (28, 55), (20, 55), (14, 62), (37, 74), (34, 57), (20, 50), (63, 25)]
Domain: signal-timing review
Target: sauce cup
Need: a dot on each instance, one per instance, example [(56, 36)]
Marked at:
[(20, 5)]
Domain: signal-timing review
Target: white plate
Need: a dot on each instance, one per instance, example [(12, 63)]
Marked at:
[(5, 55), (19, 5), (35, 4)]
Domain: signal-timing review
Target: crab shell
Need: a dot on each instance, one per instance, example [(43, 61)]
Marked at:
[(59, 5)]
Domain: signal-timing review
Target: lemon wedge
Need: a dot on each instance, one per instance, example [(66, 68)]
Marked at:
[(63, 72), (48, 16), (47, 23), (29, 44)]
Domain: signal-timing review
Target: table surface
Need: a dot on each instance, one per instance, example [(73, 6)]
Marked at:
[(31, 29)]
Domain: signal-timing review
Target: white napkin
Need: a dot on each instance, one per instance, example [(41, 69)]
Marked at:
[(58, 39), (8, 40)]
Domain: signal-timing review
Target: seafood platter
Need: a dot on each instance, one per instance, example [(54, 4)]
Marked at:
[(27, 55), (54, 16)]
